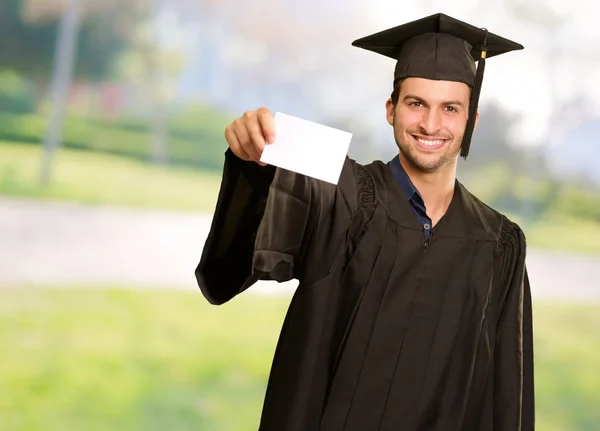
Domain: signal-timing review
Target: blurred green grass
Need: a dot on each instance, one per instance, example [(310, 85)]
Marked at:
[(95, 178), (567, 355), (560, 232), (77, 359), (99, 359)]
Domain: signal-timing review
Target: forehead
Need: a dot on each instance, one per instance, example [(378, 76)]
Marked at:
[(435, 90)]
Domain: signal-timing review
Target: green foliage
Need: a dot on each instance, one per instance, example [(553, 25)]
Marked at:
[(16, 95), (197, 142), (167, 360), (490, 141), (100, 44), (489, 182), (30, 47), (508, 191), (583, 203), (26, 49)]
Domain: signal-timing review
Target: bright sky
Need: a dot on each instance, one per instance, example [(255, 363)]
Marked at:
[(520, 81)]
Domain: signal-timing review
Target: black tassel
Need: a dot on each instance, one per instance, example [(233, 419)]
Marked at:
[(474, 103)]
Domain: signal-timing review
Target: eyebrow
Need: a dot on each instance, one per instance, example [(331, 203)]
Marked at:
[(454, 102), (446, 103)]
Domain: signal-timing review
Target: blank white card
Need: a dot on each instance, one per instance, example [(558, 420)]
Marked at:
[(307, 148)]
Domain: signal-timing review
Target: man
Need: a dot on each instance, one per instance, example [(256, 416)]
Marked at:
[(413, 310)]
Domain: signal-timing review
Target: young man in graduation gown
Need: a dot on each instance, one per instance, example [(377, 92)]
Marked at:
[(413, 310)]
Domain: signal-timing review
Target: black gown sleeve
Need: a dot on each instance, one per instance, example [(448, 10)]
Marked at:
[(272, 224), (514, 408)]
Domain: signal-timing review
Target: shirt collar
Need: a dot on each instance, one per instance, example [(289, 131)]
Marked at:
[(466, 216), (403, 179)]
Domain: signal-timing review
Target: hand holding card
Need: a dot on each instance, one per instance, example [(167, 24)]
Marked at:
[(307, 148)]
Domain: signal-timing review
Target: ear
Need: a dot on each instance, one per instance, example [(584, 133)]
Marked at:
[(389, 111), (476, 120)]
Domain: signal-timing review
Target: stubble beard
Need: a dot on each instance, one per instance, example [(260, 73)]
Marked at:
[(424, 163)]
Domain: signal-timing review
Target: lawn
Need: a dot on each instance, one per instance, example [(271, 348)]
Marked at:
[(565, 233), (120, 360), (95, 178), (91, 359)]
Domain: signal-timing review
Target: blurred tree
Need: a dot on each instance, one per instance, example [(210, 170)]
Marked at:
[(491, 141), (61, 79), (29, 29), (489, 169), (153, 68), (550, 22), (85, 40), (285, 53)]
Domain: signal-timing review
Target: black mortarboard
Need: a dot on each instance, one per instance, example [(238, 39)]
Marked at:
[(442, 48)]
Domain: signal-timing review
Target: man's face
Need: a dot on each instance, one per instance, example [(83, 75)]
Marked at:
[(429, 121)]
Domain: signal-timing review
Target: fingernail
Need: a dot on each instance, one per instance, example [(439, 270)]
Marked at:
[(271, 139)]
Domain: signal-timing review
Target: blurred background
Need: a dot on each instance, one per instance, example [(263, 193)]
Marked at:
[(111, 151)]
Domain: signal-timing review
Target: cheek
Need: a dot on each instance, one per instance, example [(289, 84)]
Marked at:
[(407, 119), (455, 125)]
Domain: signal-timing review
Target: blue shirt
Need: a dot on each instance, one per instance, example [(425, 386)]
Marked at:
[(412, 194)]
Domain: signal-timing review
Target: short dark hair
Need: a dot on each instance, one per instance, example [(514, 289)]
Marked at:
[(396, 93)]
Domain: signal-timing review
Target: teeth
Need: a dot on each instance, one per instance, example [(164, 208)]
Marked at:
[(430, 143)]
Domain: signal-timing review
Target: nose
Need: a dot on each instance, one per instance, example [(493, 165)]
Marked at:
[(431, 121)]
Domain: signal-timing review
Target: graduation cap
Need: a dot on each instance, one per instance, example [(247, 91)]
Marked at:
[(440, 47)]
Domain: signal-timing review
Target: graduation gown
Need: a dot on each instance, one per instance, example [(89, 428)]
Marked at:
[(386, 330)]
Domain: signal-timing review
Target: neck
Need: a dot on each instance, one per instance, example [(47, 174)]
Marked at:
[(436, 188)]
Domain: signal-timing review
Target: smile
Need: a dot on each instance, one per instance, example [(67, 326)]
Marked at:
[(429, 143)]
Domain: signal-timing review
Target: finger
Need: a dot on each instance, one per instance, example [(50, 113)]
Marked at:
[(241, 131), (244, 137), (234, 144), (257, 138), (267, 124)]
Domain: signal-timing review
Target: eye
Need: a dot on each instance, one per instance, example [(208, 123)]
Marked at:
[(451, 109), (415, 104)]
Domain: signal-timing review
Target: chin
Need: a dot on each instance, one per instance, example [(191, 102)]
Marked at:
[(427, 157), (423, 161), (428, 166)]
